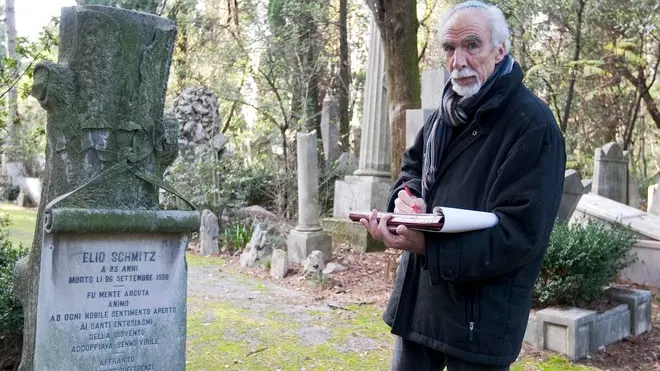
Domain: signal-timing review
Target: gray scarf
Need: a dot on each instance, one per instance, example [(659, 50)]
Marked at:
[(455, 111)]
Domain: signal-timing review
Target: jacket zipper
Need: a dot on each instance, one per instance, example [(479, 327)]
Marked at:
[(473, 313)]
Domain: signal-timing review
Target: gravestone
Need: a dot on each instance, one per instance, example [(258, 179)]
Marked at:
[(611, 173), (208, 234), (308, 235), (653, 200), (433, 83), (330, 129), (634, 198), (104, 285), (571, 194)]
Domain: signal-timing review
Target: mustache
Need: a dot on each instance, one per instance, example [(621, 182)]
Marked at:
[(463, 72)]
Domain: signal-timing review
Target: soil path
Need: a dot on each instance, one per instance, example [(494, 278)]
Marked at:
[(238, 322)]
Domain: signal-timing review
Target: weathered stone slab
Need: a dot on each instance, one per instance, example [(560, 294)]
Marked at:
[(593, 206), (646, 270), (571, 194), (415, 119), (587, 183), (611, 172), (531, 334), (639, 304), (110, 301), (653, 200), (611, 326), (279, 264), (567, 331), (360, 193), (433, 83)]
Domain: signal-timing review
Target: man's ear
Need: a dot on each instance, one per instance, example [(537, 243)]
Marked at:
[(501, 52)]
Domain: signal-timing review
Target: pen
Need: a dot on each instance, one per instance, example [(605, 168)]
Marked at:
[(414, 205)]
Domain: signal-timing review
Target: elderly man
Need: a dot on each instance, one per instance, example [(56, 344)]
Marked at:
[(462, 300)]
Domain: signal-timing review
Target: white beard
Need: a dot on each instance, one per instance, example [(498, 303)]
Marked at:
[(469, 90)]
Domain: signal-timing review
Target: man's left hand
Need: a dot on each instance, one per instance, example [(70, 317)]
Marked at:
[(404, 239)]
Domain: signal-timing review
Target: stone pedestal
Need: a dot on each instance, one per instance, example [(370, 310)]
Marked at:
[(300, 244), (360, 193)]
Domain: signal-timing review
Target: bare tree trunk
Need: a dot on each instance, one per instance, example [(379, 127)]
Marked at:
[(13, 123), (344, 76), (398, 24), (576, 57)]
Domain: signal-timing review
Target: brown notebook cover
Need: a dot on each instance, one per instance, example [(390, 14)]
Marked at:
[(424, 222)]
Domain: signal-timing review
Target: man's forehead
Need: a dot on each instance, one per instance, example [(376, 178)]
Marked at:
[(467, 23)]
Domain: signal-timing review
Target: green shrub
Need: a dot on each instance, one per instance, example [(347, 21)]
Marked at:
[(11, 314), (581, 260)]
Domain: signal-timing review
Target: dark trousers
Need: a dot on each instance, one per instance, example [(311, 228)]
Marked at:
[(410, 356)]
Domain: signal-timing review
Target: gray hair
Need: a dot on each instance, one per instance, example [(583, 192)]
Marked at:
[(498, 26)]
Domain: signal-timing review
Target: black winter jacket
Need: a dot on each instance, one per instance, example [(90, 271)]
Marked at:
[(469, 296)]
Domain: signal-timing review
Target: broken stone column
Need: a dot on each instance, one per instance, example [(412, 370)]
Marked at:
[(571, 194), (208, 234), (308, 235), (611, 173), (108, 145)]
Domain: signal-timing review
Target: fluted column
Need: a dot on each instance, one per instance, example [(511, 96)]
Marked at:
[(374, 142)]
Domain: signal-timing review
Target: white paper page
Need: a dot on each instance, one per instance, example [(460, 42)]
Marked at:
[(462, 220)]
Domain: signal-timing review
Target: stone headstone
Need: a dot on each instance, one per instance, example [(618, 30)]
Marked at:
[(330, 129), (587, 184), (654, 200), (279, 264), (208, 234), (308, 235), (634, 198), (433, 83), (611, 173), (415, 119), (104, 285), (571, 194)]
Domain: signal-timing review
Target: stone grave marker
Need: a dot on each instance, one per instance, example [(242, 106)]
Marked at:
[(330, 129), (611, 173), (208, 234), (104, 285), (571, 194), (654, 200)]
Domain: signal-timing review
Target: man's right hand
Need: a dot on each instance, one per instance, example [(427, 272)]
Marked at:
[(404, 203)]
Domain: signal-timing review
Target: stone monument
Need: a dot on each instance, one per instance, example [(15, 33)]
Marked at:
[(208, 234), (370, 184), (611, 173), (653, 200), (330, 129), (104, 285), (433, 83), (308, 235), (571, 194)]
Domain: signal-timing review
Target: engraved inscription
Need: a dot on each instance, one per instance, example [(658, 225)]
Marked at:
[(122, 299)]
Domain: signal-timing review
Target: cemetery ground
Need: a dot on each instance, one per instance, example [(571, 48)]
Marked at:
[(242, 319)]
